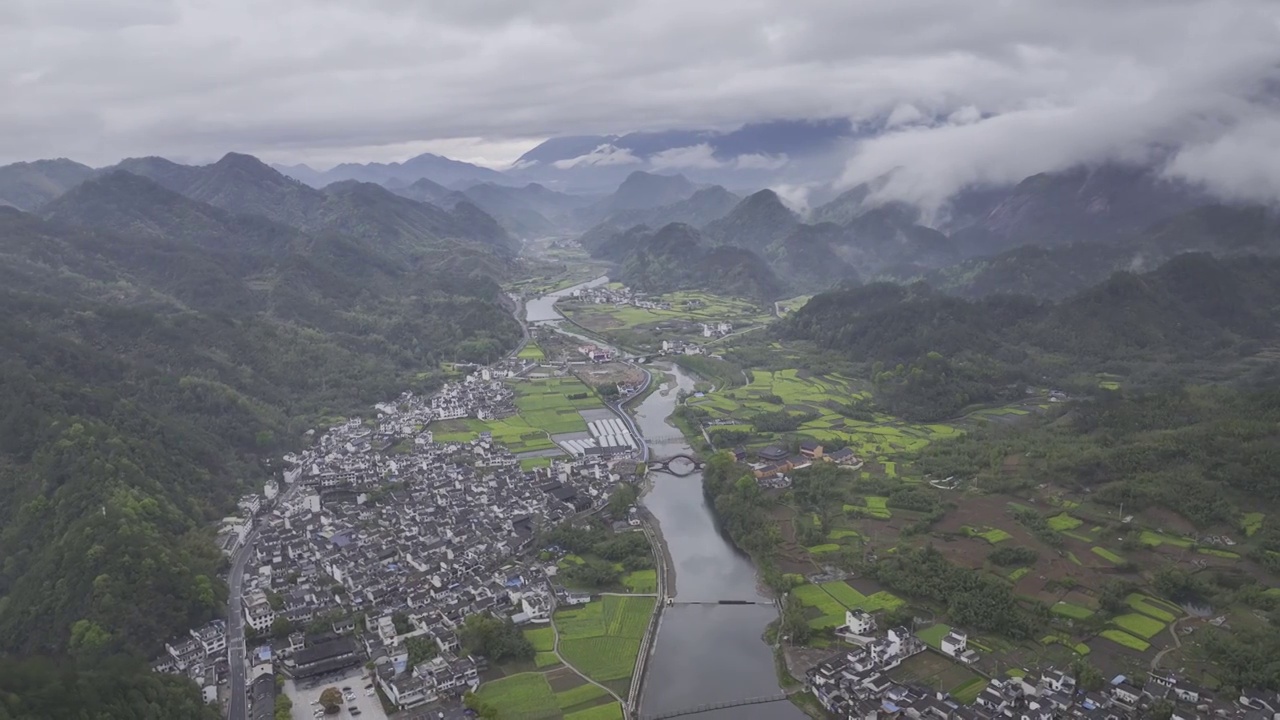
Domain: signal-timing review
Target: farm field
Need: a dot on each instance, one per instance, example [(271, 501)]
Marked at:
[(542, 638), (641, 581), (942, 674), (1124, 639), (602, 638), (829, 601), (545, 407), (1138, 625), (695, 307), (814, 396), (1068, 610), (530, 693), (1153, 607), (612, 711)]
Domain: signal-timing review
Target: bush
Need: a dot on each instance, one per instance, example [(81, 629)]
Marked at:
[(1012, 556)]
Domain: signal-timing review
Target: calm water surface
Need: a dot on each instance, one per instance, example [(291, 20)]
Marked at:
[(704, 654)]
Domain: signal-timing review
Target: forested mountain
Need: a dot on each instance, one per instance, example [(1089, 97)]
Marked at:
[(677, 258), (27, 186), (934, 354), (463, 236), (154, 348), (1083, 204), (700, 208), (647, 190), (756, 223), (443, 170)]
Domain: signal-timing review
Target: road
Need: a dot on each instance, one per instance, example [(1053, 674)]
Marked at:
[(237, 705)]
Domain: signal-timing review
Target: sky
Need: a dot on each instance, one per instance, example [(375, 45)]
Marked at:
[(973, 91)]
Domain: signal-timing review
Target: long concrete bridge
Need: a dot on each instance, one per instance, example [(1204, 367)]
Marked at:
[(780, 697)]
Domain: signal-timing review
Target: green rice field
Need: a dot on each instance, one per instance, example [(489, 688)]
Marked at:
[(1139, 625), (542, 638), (544, 407), (1251, 523), (641, 581), (1075, 612), (529, 693), (932, 636), (602, 638), (612, 711), (1124, 639), (1063, 521), (1153, 607), (1107, 555), (990, 534)]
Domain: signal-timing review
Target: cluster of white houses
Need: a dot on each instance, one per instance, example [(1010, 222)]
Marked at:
[(855, 684), (382, 535)]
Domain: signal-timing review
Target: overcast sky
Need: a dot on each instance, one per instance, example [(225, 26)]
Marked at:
[(986, 90)]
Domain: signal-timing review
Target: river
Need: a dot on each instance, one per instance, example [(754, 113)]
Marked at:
[(703, 654)]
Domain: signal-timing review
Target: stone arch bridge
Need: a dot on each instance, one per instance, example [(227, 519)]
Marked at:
[(680, 465)]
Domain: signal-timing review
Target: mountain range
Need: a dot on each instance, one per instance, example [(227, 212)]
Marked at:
[(166, 328), (1048, 236)]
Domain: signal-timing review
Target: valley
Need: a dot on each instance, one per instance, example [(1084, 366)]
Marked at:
[(1010, 458)]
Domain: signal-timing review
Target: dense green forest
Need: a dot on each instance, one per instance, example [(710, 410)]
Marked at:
[(1206, 452), (931, 355), (39, 689), (154, 352)]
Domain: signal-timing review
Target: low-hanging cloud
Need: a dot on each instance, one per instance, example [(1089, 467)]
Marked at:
[(602, 155), (701, 157), (977, 91), (1207, 105)]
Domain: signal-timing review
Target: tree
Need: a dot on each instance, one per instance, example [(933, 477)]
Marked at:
[(331, 699), (794, 626), (495, 638), (1087, 676), (283, 708), (281, 627)]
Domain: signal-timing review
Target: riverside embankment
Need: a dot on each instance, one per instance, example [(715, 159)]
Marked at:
[(697, 654)]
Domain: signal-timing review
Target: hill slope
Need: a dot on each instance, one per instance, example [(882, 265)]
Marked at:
[(153, 349)]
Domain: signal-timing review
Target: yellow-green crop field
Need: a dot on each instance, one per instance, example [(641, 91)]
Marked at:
[(884, 437), (690, 306)]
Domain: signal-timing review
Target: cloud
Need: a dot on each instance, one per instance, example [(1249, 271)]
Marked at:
[(761, 161), (694, 156), (975, 91), (602, 155), (795, 197), (1236, 164)]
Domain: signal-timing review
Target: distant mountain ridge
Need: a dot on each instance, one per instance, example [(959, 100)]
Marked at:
[(243, 184), (440, 169)]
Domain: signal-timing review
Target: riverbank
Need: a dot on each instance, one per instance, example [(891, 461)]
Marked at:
[(696, 652)]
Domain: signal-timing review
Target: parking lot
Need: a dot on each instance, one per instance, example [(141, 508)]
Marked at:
[(304, 694)]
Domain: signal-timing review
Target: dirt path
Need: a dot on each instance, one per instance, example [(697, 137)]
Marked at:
[(1177, 643), (556, 650)]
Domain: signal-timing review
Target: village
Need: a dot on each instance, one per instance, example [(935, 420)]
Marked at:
[(866, 682), (380, 538)]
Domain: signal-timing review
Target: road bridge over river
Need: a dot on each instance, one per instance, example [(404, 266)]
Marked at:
[(780, 697)]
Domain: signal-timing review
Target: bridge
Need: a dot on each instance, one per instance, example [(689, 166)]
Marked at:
[(780, 697), (680, 465), (673, 602)]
